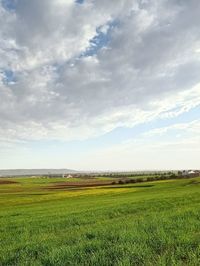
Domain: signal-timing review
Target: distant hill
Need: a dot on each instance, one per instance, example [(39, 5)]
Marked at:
[(33, 172)]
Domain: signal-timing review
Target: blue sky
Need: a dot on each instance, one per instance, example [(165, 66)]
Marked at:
[(91, 85)]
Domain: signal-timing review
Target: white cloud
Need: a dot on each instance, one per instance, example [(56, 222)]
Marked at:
[(149, 68), (182, 151), (190, 127)]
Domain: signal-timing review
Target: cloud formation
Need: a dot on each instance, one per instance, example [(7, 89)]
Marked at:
[(72, 70)]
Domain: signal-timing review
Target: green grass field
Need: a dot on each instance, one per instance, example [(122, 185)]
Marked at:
[(155, 223)]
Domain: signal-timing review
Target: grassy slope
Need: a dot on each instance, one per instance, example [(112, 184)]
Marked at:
[(155, 223)]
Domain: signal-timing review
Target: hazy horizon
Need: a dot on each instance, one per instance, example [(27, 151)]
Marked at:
[(93, 170), (97, 86)]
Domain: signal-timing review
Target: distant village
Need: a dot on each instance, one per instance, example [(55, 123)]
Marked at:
[(182, 173), (189, 173)]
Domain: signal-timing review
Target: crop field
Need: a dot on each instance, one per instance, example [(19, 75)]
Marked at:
[(51, 221)]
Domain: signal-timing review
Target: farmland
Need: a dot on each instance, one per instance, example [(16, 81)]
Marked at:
[(48, 221)]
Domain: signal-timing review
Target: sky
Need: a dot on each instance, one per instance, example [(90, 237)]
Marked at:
[(100, 85)]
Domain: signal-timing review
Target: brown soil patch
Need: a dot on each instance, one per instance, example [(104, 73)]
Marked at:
[(7, 182)]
